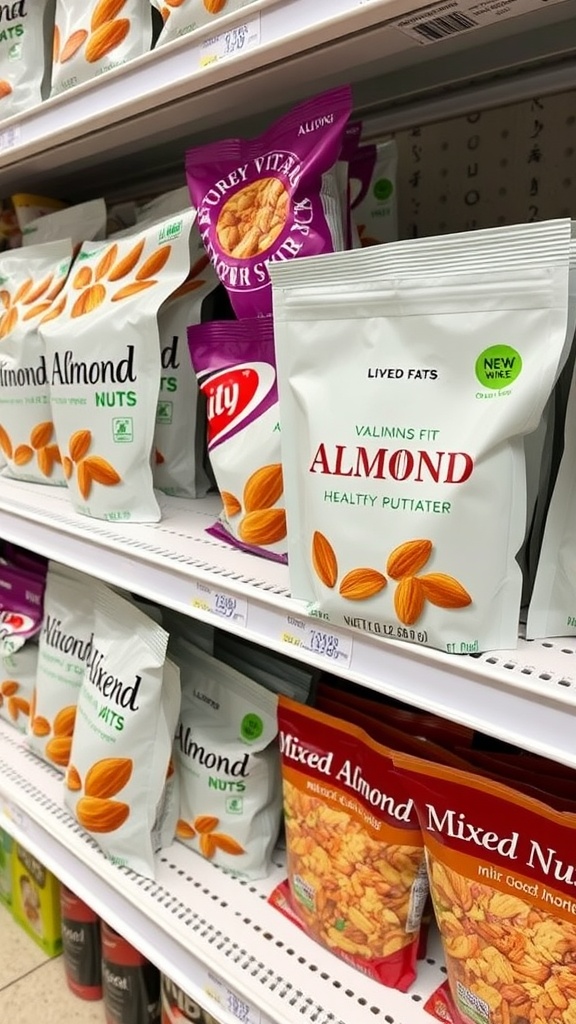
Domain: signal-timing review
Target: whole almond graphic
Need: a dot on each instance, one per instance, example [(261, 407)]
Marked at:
[(41, 435), (82, 278), (79, 444), (127, 263), (90, 299), (263, 488), (205, 823), (84, 479), (58, 750), (41, 307), (184, 829), (105, 10), (444, 591), (155, 263), (17, 706), (106, 38), (324, 560), (408, 558), (106, 262), (8, 322), (54, 453), (227, 844), (40, 726), (5, 443), (24, 290), (56, 45), (174, 3), (231, 504), (5, 88), (73, 44), (67, 466), (54, 311), (5, 298), (72, 778), (97, 815), (39, 290), (107, 777), (23, 454), (9, 687), (101, 471), (267, 526), (360, 584), (409, 600), (214, 6), (132, 289), (45, 461), (63, 724), (207, 846)]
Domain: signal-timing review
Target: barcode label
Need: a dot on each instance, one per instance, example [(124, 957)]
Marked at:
[(439, 28)]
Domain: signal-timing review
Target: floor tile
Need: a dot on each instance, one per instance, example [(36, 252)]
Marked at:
[(43, 995), (18, 953)]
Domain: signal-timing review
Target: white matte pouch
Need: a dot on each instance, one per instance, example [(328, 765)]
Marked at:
[(122, 743), (373, 193), (78, 223), (405, 473), (17, 686), (25, 55)]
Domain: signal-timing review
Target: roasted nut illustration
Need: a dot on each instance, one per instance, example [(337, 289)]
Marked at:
[(106, 38), (360, 584), (263, 488), (324, 560), (108, 776), (99, 815), (251, 220)]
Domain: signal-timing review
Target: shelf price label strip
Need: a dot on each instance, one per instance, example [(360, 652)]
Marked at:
[(224, 606), (318, 638), (239, 39)]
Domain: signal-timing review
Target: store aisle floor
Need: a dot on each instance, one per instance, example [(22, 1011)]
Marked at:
[(33, 988)]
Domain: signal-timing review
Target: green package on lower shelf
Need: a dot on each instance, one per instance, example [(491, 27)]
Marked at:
[(36, 900), (6, 845)]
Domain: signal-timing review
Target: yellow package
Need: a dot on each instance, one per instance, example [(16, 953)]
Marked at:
[(36, 900)]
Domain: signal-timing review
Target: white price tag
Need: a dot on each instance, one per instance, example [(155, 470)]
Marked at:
[(229, 1000), (231, 42), (319, 638), (13, 813), (225, 606), (10, 137)]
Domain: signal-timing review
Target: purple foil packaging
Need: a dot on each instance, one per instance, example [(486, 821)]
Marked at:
[(235, 364), (272, 198)]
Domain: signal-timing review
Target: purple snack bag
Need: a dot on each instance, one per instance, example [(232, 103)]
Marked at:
[(235, 364), (272, 198), (21, 607)]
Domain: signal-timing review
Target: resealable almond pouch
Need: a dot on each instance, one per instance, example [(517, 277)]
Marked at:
[(25, 54), (120, 758), (78, 223), (272, 198), (17, 686), (30, 281), (95, 36), (356, 876), (104, 366), (406, 491), (180, 432), (21, 613), (502, 876), (64, 644), (236, 369), (227, 758), (183, 16)]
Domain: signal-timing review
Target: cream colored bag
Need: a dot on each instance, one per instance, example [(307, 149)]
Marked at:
[(25, 53), (184, 16)]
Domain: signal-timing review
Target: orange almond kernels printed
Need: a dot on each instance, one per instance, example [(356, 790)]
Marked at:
[(228, 764), (94, 36), (123, 738), (502, 877), (405, 511), (25, 56), (356, 874), (104, 366), (27, 436), (236, 369)]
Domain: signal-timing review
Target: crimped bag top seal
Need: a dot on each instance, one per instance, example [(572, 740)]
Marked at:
[(270, 198), (121, 746), (104, 366), (93, 37), (30, 280), (356, 877), (228, 762), (503, 882), (78, 223), (236, 369), (406, 490)]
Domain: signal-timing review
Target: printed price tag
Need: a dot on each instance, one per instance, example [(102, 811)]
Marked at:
[(217, 602), (319, 638), (231, 42), (10, 137), (229, 1000), (13, 813)]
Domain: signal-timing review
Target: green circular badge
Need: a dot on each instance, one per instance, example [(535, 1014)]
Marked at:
[(498, 367), (383, 189), (252, 727)]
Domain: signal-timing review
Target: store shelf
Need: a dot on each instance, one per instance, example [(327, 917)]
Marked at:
[(88, 139), (214, 935), (526, 696)]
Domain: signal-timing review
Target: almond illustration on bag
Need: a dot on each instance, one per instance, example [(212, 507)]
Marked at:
[(103, 355), (272, 198), (235, 365), (94, 37), (25, 55)]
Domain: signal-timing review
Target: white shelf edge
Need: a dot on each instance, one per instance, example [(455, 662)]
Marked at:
[(244, 942)]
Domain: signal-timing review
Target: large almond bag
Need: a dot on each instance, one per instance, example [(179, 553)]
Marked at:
[(25, 54), (95, 36), (404, 469), (103, 356)]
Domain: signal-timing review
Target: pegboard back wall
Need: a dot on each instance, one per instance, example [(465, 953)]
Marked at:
[(508, 165)]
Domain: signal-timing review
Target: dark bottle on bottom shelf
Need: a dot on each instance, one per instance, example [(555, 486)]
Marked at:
[(130, 983), (81, 946)]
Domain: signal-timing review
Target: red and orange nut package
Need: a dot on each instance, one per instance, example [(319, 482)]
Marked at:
[(502, 870), (356, 873)]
